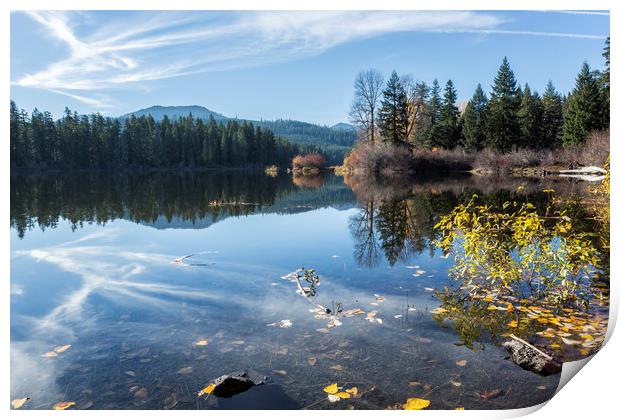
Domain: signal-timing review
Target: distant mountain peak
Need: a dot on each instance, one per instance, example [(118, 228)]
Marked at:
[(177, 111), (343, 126)]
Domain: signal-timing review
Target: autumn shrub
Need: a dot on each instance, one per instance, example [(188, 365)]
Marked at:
[(313, 160)]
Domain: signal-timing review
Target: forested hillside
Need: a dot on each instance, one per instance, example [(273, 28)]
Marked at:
[(96, 142)]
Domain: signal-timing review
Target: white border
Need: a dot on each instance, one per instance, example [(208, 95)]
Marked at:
[(592, 394)]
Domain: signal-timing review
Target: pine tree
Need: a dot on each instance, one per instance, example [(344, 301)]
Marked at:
[(429, 132), (605, 80), (449, 127), (585, 108), (502, 126), (530, 119), (393, 111), (474, 118), (552, 117)]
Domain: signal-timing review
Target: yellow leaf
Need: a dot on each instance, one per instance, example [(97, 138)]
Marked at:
[(332, 389), (513, 324), (343, 394), (206, 390), (63, 405), (459, 408), (17, 403), (352, 391), (416, 404)]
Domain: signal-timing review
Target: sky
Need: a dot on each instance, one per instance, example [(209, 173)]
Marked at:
[(297, 65)]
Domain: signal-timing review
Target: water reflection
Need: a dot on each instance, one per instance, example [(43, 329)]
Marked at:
[(133, 271)]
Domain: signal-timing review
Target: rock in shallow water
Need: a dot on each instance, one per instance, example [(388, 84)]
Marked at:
[(530, 358), (234, 383)]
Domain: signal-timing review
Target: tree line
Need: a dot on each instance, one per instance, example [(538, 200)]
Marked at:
[(97, 142), (405, 111)]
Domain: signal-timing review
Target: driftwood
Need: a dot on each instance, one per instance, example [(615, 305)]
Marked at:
[(531, 358)]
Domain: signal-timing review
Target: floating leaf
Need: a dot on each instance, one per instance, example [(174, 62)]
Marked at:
[(455, 383), (63, 405), (50, 354), (206, 390), (459, 408), (415, 383), (352, 391), (185, 371), (343, 394), (130, 373), (285, 323), (461, 363), (487, 395), (140, 393), (280, 372), (202, 342), (333, 398), (19, 402), (416, 404), (312, 361), (170, 402), (331, 389), (337, 367), (62, 349)]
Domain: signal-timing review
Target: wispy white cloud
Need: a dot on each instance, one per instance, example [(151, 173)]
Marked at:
[(139, 48)]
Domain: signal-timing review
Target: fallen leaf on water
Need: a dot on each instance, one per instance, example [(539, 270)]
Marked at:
[(50, 354), (461, 363), (206, 390), (141, 393), (337, 367), (170, 402), (343, 394), (280, 372), (322, 330), (62, 349), (238, 342), (63, 405), (85, 406), (202, 342), (416, 404), (186, 370), (352, 391), (17, 403), (414, 383), (424, 340), (312, 361), (455, 383), (437, 311), (459, 408), (351, 312), (331, 389), (282, 350), (570, 342), (285, 323), (398, 316), (541, 387), (333, 398), (487, 395), (513, 324), (131, 373)]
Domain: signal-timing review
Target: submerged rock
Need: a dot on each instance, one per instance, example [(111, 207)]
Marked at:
[(234, 383), (530, 358)]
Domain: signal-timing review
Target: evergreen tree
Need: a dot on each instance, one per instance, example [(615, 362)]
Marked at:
[(449, 124), (605, 80), (530, 119), (552, 117), (429, 133), (474, 118), (502, 125), (585, 108), (393, 111)]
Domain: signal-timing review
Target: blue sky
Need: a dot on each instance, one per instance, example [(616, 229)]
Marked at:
[(298, 65)]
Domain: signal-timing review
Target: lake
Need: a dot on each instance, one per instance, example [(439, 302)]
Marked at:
[(161, 282)]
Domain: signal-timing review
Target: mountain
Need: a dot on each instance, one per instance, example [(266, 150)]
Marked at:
[(335, 141), (174, 112), (343, 126)]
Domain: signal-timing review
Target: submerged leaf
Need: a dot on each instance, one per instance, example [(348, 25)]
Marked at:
[(186, 370), (461, 363), (19, 402), (202, 342), (352, 391), (416, 404), (63, 405), (62, 349), (342, 394), (312, 361)]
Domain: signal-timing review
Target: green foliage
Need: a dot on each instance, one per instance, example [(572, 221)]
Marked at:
[(514, 246), (585, 108), (393, 111), (530, 116), (474, 118), (553, 117), (449, 125), (96, 142), (502, 126)]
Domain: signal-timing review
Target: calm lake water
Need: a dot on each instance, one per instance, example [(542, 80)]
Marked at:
[(97, 263)]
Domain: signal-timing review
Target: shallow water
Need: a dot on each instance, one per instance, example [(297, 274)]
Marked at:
[(96, 262)]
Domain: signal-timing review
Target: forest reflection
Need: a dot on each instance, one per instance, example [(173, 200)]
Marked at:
[(166, 199)]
